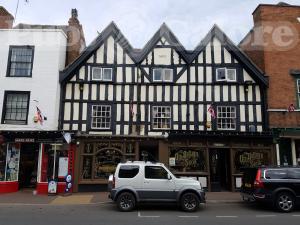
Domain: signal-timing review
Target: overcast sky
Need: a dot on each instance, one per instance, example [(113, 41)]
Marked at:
[(138, 20)]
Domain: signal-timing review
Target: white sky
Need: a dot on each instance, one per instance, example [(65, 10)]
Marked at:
[(190, 20)]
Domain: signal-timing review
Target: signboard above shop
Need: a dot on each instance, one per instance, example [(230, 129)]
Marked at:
[(24, 140)]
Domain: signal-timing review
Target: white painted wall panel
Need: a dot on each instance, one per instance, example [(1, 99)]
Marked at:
[(251, 115), (208, 93), (225, 93), (102, 92), (162, 56), (258, 113), (200, 113), (242, 113), (217, 93), (208, 75), (217, 50)]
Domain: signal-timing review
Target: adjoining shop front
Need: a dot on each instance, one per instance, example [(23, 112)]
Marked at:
[(214, 158), (30, 159), (287, 146)]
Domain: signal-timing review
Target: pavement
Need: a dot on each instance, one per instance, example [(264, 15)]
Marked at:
[(28, 197)]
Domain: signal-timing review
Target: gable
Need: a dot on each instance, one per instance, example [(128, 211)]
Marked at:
[(217, 49)]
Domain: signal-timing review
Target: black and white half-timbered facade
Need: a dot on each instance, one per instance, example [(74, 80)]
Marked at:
[(201, 112)]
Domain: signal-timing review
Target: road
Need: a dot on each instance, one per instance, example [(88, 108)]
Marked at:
[(107, 214)]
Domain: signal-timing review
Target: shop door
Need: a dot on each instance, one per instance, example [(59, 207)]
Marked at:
[(28, 165), (220, 175), (149, 151)]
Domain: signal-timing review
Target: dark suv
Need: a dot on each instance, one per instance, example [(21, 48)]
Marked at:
[(279, 186)]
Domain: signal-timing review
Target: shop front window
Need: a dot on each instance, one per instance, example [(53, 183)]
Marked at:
[(297, 143), (2, 162), (106, 161), (187, 160), (250, 158), (12, 162), (99, 160), (54, 162)]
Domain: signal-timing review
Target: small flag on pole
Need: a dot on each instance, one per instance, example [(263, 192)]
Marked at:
[(212, 111), (39, 116), (131, 109), (291, 108)]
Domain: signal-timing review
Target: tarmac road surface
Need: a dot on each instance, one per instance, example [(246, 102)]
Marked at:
[(107, 214)]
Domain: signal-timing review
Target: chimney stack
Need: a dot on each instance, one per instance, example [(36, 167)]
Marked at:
[(76, 40), (6, 19)]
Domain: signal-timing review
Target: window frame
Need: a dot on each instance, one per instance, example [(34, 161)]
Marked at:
[(9, 62), (235, 118), (152, 117), (163, 75), (160, 167), (6, 93), (102, 73), (91, 121), (226, 75)]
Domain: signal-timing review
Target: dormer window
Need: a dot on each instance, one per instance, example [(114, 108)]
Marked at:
[(225, 74), (102, 74), (162, 75)]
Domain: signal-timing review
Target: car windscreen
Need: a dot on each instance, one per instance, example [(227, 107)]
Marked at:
[(128, 171)]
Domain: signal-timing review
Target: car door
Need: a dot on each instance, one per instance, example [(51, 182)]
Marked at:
[(156, 185), (294, 175)]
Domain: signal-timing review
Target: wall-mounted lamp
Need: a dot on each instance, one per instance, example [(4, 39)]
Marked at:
[(81, 84), (247, 84)]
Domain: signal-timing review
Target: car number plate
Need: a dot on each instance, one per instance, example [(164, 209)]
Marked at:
[(248, 185)]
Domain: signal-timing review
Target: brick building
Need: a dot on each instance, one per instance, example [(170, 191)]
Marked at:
[(273, 44)]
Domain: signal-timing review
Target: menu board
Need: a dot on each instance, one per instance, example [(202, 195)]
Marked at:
[(63, 167)]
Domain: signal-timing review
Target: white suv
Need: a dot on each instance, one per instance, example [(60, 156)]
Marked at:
[(135, 182)]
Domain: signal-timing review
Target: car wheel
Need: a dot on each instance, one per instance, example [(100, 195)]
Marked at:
[(189, 202), (285, 202), (126, 202)]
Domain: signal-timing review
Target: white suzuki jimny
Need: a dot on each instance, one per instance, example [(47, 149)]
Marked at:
[(135, 182)]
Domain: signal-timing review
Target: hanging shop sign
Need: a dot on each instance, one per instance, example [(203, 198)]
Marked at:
[(24, 140)]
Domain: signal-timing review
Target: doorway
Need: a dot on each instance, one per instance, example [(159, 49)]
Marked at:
[(149, 151), (220, 174), (28, 165)]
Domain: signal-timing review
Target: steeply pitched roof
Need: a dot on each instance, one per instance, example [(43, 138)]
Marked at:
[(4, 12), (111, 29), (163, 31), (232, 48), (138, 55)]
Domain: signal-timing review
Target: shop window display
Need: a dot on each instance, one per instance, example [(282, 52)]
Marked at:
[(51, 162), (187, 160), (250, 158), (99, 160), (2, 161), (12, 162)]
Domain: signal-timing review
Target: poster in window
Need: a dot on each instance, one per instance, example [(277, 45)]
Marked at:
[(12, 162), (63, 167)]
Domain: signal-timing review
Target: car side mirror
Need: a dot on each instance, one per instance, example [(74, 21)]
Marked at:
[(169, 177)]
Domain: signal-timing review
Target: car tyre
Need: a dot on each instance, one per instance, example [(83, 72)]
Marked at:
[(189, 202), (285, 202), (126, 202)]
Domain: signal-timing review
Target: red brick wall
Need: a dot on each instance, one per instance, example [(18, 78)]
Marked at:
[(6, 19), (276, 33), (76, 40)]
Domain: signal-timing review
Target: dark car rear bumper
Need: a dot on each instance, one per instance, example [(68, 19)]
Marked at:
[(256, 196)]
